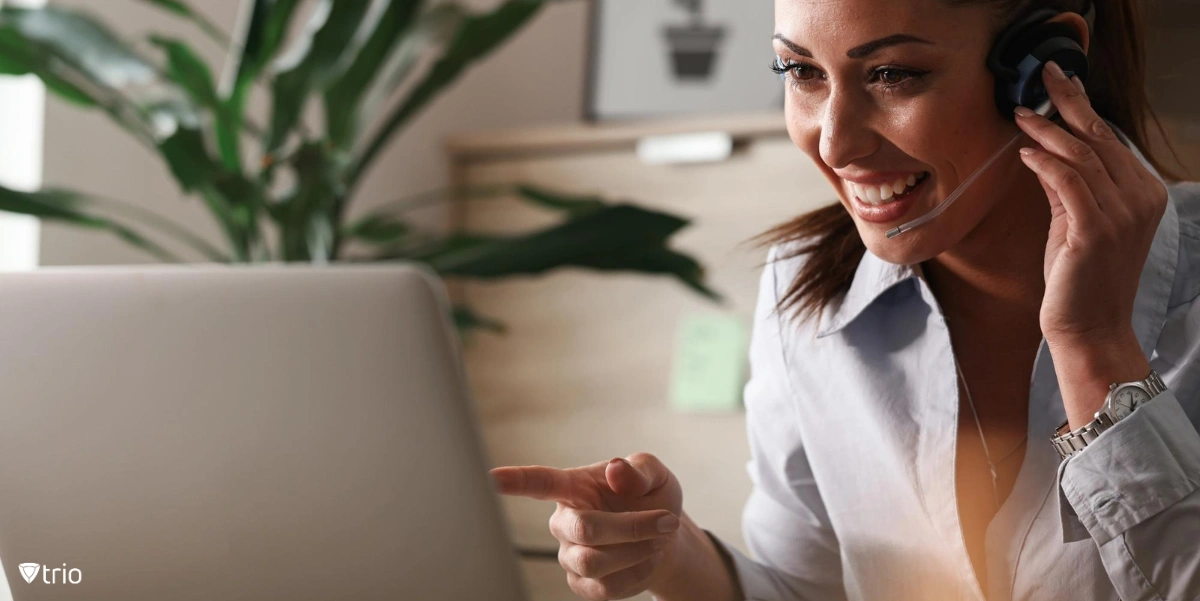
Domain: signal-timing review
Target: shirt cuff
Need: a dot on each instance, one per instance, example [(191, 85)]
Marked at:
[(1144, 464)]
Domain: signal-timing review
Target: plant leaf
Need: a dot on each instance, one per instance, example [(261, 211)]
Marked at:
[(67, 207), (467, 319), (343, 97), (181, 9), (476, 37), (561, 202), (435, 28), (188, 70), (192, 74), (269, 20), (379, 229), (309, 64), (618, 237), (78, 48), (260, 40), (19, 56), (234, 200), (305, 215)]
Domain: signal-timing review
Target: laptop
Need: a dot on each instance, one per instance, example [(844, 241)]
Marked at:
[(254, 432)]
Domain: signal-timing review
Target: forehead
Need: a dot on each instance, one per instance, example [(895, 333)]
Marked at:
[(826, 26)]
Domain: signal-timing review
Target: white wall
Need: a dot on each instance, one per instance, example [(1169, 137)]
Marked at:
[(21, 111), (537, 77)]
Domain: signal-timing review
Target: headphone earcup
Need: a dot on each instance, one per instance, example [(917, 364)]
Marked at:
[(1017, 58)]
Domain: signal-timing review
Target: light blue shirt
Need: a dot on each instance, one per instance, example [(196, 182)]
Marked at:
[(853, 419)]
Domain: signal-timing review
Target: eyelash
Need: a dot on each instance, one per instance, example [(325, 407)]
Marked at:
[(789, 68)]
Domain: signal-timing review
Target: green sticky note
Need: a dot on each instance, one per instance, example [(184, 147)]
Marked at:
[(710, 359)]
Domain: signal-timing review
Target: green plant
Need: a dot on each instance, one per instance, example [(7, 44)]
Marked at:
[(372, 66)]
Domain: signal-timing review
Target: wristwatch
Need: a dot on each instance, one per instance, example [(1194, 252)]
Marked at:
[(1122, 399)]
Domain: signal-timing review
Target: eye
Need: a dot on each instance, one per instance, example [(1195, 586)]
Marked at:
[(895, 77), (798, 73), (803, 72)]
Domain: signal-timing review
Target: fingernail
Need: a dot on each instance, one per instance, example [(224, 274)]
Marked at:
[(1026, 152), (1055, 71), (1023, 111), (667, 524), (1079, 84)]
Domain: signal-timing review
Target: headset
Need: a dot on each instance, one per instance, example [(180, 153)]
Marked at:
[(1025, 46), (1016, 60)]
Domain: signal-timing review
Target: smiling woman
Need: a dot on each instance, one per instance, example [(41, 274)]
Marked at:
[(957, 111), (1063, 287)]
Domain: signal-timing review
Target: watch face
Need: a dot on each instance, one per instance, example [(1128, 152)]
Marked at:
[(1126, 399)]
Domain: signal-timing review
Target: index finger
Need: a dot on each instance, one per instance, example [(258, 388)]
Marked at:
[(1071, 100), (539, 482)]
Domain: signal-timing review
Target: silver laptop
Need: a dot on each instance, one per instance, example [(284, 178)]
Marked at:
[(267, 432)]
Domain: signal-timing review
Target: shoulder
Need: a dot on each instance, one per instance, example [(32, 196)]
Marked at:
[(1186, 198), (785, 260), (1179, 342), (784, 264)]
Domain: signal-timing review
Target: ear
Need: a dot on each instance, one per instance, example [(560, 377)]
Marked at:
[(1076, 22)]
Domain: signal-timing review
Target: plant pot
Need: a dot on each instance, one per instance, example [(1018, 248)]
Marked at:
[(693, 49)]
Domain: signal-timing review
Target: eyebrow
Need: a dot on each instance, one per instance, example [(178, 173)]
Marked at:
[(861, 51)]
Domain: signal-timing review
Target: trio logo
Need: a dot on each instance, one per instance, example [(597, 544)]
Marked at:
[(29, 571)]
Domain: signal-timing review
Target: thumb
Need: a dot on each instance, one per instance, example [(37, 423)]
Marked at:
[(637, 476)]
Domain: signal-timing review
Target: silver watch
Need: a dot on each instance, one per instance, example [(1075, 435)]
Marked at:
[(1122, 399)]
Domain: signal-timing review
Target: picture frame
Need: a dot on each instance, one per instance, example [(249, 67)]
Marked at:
[(675, 58)]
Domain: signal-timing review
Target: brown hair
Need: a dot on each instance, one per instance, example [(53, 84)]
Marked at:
[(1116, 88)]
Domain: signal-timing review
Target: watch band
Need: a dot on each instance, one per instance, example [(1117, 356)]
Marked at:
[(1072, 442)]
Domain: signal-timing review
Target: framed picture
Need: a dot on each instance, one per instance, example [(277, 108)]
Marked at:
[(661, 58)]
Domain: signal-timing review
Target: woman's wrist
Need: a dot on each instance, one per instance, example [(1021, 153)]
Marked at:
[(1085, 368), (698, 570)]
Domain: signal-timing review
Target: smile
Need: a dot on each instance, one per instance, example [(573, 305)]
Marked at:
[(880, 194)]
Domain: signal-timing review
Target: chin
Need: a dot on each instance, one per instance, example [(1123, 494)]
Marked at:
[(913, 246)]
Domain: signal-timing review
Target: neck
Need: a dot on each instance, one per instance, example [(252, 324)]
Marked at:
[(993, 279)]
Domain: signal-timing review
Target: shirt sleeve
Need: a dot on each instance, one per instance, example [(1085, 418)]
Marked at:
[(1135, 491), (794, 552)]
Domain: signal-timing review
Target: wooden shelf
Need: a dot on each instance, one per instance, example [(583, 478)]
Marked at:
[(582, 137)]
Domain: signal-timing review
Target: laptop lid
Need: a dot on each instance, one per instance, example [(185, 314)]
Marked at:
[(257, 432)]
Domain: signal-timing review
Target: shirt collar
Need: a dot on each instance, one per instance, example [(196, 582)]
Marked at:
[(875, 276)]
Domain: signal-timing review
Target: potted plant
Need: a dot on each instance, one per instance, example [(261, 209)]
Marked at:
[(693, 46), (359, 60)]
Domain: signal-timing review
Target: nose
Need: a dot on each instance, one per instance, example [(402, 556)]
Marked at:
[(846, 131)]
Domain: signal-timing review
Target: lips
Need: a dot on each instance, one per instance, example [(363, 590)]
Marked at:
[(894, 208)]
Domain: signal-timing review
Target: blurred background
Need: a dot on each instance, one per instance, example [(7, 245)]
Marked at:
[(585, 174)]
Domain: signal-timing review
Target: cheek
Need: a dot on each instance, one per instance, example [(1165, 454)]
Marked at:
[(804, 129)]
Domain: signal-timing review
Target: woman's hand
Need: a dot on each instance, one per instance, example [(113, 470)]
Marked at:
[(616, 522), (1105, 208)]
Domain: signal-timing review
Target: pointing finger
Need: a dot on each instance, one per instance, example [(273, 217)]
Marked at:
[(533, 481)]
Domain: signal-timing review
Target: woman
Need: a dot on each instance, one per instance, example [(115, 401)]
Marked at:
[(903, 390)]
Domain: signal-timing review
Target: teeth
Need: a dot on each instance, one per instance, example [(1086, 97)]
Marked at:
[(879, 194)]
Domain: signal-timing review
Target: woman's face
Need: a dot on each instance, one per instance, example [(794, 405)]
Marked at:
[(883, 93)]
